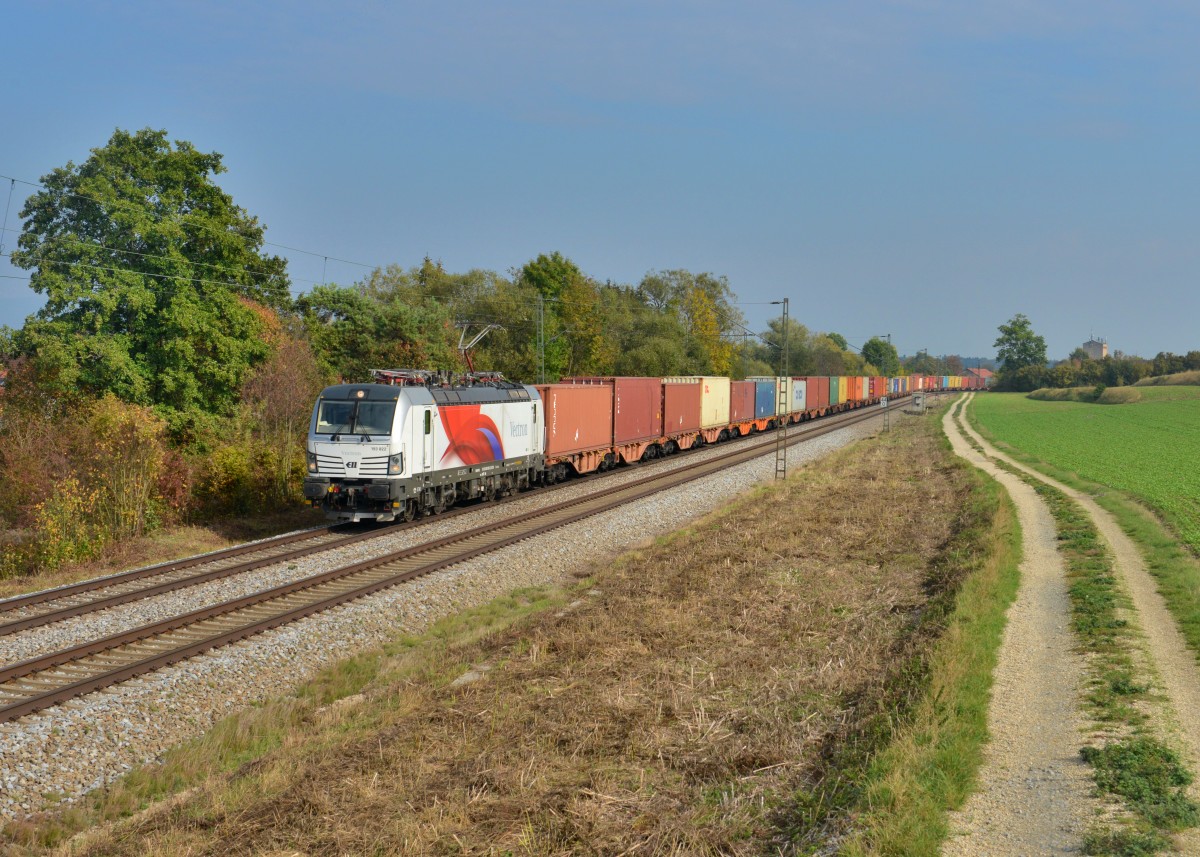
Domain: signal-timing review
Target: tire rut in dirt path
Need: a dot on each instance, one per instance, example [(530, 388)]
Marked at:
[(1034, 790), (1174, 664)]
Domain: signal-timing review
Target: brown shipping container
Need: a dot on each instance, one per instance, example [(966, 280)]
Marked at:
[(578, 417), (818, 392), (637, 406), (741, 401), (681, 407), (637, 409)]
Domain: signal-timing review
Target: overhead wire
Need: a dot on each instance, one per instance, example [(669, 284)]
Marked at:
[(109, 207), (127, 271), (4, 228), (186, 223), (105, 247)]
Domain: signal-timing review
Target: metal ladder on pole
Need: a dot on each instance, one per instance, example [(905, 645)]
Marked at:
[(783, 406), (781, 431)]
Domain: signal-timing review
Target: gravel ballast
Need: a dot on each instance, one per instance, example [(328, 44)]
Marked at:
[(60, 754)]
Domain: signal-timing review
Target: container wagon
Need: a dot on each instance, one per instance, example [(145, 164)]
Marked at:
[(637, 414)]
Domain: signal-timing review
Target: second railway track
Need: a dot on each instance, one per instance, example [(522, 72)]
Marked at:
[(45, 681)]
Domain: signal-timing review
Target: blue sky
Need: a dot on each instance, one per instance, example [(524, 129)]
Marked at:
[(923, 168)]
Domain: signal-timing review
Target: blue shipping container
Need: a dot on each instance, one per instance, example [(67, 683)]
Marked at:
[(764, 399)]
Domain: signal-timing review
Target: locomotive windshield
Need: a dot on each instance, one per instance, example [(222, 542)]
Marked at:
[(355, 417)]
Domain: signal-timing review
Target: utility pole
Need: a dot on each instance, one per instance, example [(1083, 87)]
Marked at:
[(541, 338), (784, 405)]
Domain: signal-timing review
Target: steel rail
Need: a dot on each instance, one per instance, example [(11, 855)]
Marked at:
[(19, 601), (19, 681), (126, 596)]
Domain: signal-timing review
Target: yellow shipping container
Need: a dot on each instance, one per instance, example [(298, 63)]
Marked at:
[(714, 400)]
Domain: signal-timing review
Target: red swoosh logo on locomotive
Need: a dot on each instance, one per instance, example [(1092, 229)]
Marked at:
[(473, 435)]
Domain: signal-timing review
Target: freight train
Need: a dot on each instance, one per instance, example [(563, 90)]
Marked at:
[(414, 442)]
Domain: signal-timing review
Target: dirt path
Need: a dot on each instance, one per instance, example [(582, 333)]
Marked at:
[(1173, 663), (1033, 795)]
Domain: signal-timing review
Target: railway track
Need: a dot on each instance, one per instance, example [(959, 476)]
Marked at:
[(48, 680), (78, 599)]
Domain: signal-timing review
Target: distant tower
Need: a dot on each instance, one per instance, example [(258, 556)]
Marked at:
[(1097, 349)]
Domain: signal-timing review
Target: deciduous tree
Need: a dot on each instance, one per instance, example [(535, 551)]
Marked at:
[(882, 355), (1018, 346), (150, 272)]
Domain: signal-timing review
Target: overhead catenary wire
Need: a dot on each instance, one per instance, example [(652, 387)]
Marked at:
[(4, 228), (59, 239), (200, 226), (127, 271), (110, 206)]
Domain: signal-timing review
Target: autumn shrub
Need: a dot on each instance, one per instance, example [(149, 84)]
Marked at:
[(124, 458), (240, 477), (67, 526), (277, 401), (77, 478)]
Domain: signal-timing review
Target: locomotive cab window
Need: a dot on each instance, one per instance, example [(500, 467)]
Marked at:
[(358, 417), (428, 422)]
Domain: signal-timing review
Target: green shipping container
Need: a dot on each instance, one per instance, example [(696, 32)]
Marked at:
[(835, 397)]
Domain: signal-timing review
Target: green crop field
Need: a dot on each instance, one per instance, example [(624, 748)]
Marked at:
[(1149, 448)]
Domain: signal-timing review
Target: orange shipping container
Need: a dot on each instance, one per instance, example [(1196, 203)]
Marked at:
[(578, 417)]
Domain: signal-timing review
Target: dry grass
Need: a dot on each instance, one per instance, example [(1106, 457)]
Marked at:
[(715, 693), (1107, 396), (165, 545), (1179, 378)]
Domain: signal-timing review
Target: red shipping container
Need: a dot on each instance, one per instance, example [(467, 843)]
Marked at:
[(578, 417), (681, 407), (818, 392), (637, 406), (741, 401)]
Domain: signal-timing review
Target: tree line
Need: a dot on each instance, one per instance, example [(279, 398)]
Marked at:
[(171, 372), (1025, 366)]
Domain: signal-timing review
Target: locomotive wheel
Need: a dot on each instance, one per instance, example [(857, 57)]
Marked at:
[(410, 509)]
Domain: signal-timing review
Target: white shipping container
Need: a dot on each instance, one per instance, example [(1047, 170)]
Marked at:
[(799, 394)]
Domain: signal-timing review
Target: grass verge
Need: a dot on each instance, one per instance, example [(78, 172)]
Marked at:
[(931, 765)]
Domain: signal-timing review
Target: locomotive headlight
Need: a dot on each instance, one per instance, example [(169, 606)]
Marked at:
[(396, 464), (312, 462)]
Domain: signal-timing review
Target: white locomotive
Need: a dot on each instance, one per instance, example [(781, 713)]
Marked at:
[(412, 443)]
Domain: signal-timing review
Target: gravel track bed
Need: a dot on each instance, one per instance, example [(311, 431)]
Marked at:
[(69, 750)]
